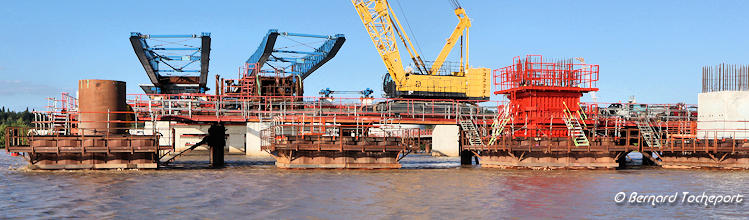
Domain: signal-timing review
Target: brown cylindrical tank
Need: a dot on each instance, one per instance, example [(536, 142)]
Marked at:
[(99, 103)]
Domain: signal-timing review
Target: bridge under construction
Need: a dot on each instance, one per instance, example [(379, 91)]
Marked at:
[(542, 125), (527, 114)]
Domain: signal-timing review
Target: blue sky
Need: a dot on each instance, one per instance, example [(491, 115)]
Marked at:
[(651, 49)]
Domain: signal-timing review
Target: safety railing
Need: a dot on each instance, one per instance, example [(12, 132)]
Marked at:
[(661, 112), (26, 140), (712, 136), (330, 136), (49, 122), (16, 136), (534, 70), (721, 129), (228, 107)]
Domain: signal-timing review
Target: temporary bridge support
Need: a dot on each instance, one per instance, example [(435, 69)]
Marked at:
[(551, 160), (338, 152)]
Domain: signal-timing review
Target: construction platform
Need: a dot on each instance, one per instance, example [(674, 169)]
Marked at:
[(543, 125), (608, 154), (728, 153), (85, 151), (307, 144), (318, 132)]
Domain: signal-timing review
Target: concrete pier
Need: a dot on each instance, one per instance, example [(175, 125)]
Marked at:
[(235, 138), (445, 140), (163, 128), (723, 114), (253, 140)]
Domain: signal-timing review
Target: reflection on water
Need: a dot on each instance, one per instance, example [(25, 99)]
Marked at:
[(251, 188)]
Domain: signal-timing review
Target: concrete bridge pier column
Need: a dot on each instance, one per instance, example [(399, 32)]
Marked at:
[(253, 141), (445, 140)]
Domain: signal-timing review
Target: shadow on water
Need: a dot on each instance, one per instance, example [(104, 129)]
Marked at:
[(199, 160)]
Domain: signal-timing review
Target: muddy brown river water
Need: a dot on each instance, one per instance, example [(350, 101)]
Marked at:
[(252, 188)]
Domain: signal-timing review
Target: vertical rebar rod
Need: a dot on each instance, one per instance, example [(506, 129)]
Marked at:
[(725, 77)]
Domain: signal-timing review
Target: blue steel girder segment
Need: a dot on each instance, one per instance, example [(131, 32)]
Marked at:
[(152, 57), (313, 62), (205, 57), (264, 49), (146, 57), (301, 66)]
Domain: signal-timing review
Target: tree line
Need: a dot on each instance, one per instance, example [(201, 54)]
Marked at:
[(10, 118)]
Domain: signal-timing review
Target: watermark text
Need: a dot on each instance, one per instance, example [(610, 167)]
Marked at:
[(703, 199)]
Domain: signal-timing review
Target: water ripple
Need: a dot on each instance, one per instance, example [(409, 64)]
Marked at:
[(426, 188)]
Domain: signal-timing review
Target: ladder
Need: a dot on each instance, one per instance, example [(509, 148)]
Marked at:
[(499, 124), (471, 131), (582, 115), (59, 123), (648, 134), (576, 131), (275, 126), (575, 128)]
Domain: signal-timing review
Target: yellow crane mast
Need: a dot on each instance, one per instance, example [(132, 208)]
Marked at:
[(424, 82)]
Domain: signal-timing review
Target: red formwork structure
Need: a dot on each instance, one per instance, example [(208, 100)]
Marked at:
[(244, 85), (540, 89)]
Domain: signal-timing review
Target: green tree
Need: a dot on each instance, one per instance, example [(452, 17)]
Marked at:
[(10, 118)]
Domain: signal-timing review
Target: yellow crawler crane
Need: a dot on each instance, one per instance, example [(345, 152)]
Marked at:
[(422, 81)]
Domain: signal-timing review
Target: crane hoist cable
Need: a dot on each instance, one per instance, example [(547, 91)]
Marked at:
[(455, 4), (408, 24)]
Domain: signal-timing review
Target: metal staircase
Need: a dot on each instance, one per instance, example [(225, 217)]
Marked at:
[(575, 129), (648, 134), (499, 124), (580, 113), (471, 132), (60, 123)]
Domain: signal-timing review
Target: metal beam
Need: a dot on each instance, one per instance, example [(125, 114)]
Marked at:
[(205, 55), (314, 62), (146, 58), (265, 49)]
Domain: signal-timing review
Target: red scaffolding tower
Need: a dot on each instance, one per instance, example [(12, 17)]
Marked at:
[(540, 90)]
